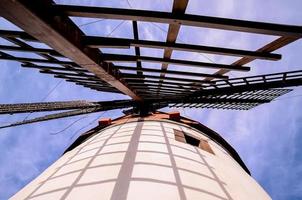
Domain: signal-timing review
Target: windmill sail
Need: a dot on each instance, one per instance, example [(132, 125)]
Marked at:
[(145, 143), (75, 107), (149, 87)]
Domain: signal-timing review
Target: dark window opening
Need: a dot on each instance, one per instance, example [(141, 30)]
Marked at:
[(181, 136), (192, 141)]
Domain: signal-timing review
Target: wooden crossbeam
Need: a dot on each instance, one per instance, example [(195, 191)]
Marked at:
[(44, 22), (154, 82), (134, 76), (172, 72), (54, 68), (131, 78), (176, 86), (165, 87), (17, 34), (129, 58), (33, 50), (270, 47), (179, 8), (137, 50), (77, 78), (36, 60), (43, 71), (103, 42), (182, 19)]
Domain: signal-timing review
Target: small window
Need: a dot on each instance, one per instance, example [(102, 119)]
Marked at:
[(192, 141), (183, 137)]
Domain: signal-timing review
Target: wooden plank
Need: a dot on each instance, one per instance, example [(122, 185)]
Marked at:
[(204, 145), (129, 58), (134, 76), (179, 86), (164, 87), (17, 34), (53, 68), (172, 72), (103, 42), (179, 8), (163, 90), (42, 21), (137, 50), (44, 71), (193, 85), (177, 18), (179, 136), (270, 47), (33, 50)]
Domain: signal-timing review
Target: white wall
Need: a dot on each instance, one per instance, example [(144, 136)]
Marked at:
[(143, 161)]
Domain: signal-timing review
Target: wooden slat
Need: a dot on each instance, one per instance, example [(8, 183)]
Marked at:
[(172, 72), (103, 42), (179, 136), (272, 46), (33, 50), (42, 21), (179, 7), (129, 58), (137, 50), (134, 76), (53, 68), (18, 34), (204, 145), (152, 82), (179, 86), (178, 18)]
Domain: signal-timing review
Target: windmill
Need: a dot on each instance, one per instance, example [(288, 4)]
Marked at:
[(49, 23)]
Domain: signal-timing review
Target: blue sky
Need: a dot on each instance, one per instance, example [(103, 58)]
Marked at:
[(267, 137)]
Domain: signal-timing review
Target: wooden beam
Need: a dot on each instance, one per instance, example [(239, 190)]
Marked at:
[(168, 91), (270, 47), (103, 42), (179, 8), (45, 71), (42, 21), (33, 50), (54, 68), (83, 81), (137, 50), (134, 76), (69, 77), (154, 82), (129, 58), (183, 19), (36, 60), (177, 86), (164, 87), (18, 34), (172, 72)]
